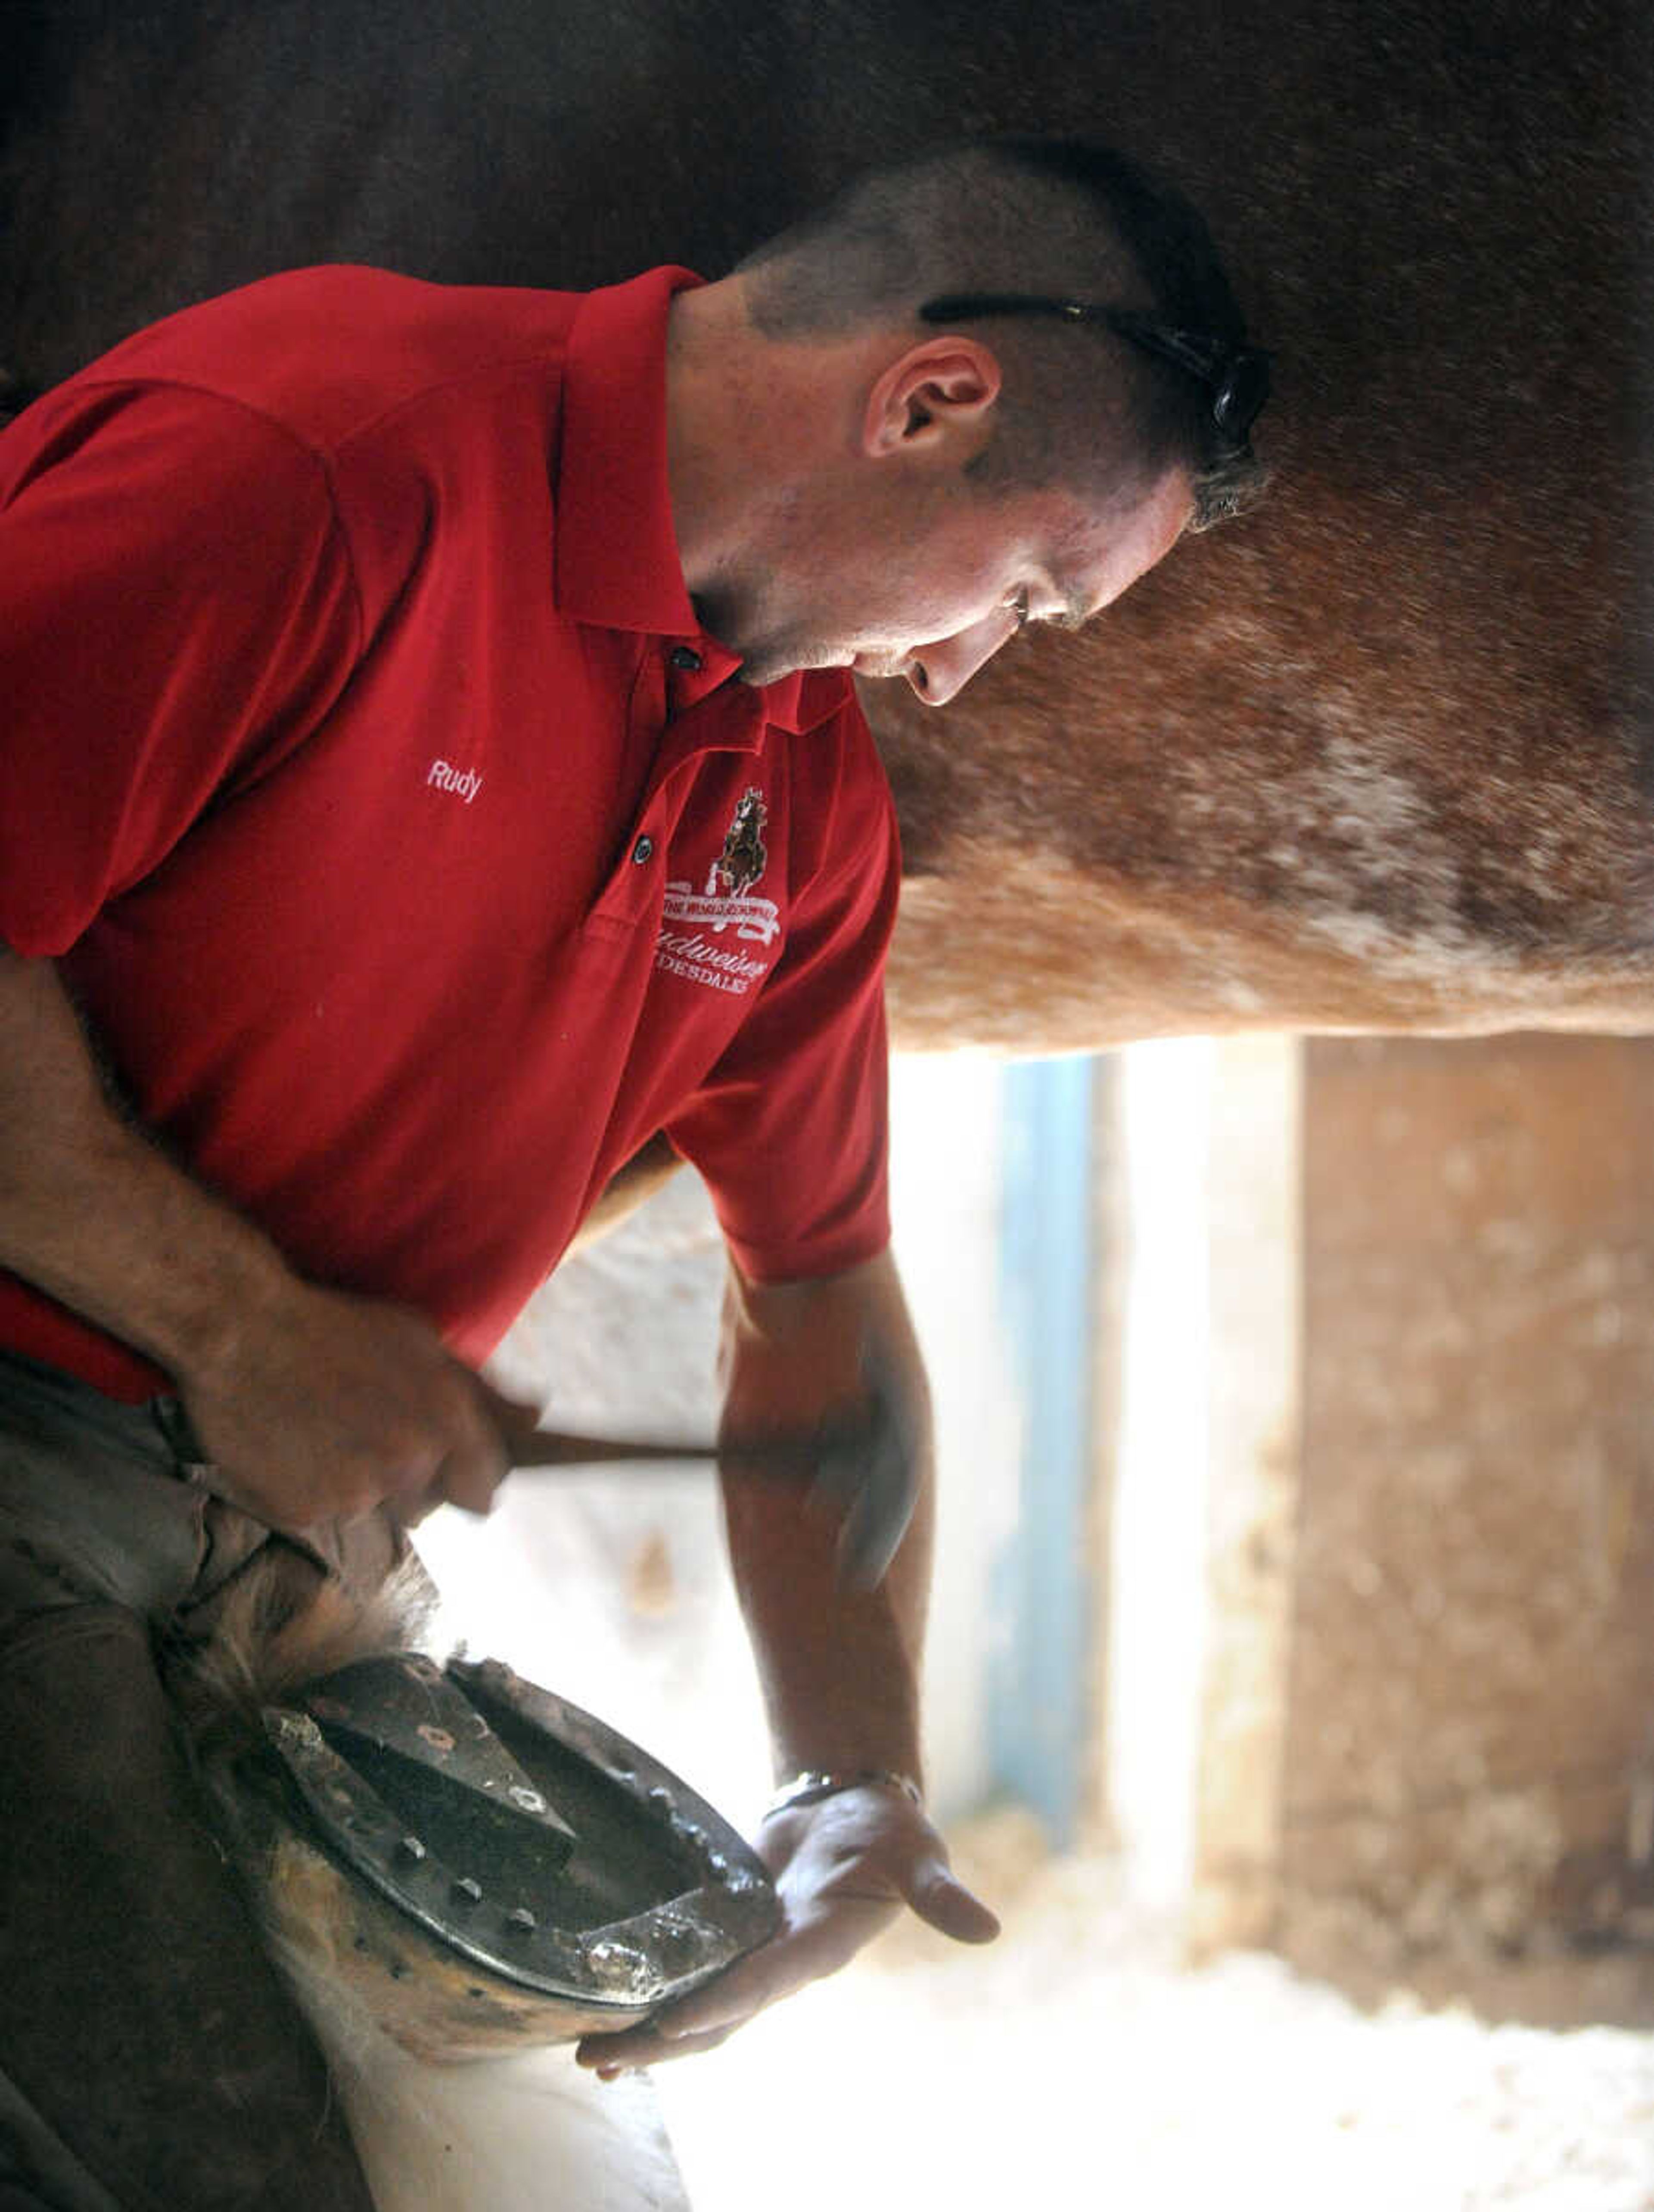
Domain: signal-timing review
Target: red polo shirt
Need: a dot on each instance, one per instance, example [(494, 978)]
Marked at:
[(412, 852)]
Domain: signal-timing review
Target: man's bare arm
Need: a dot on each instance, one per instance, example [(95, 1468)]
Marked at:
[(840, 1665), (309, 1402)]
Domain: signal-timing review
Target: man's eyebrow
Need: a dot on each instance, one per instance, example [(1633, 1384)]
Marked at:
[(1075, 614)]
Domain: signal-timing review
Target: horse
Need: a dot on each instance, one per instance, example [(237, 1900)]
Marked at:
[(1375, 758)]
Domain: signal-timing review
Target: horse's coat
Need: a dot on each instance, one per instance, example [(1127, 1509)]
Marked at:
[(1375, 758)]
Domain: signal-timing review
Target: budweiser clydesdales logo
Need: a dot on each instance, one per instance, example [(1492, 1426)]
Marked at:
[(693, 950)]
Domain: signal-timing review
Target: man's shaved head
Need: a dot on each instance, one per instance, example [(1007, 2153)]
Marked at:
[(1060, 217)]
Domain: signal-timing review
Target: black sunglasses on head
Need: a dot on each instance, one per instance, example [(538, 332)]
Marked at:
[(1236, 377)]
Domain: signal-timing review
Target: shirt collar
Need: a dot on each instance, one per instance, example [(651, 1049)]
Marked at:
[(616, 559)]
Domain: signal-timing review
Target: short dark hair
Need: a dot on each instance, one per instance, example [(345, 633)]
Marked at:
[(1062, 216)]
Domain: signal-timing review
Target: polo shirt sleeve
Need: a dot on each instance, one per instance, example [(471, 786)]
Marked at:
[(176, 610), (791, 1131)]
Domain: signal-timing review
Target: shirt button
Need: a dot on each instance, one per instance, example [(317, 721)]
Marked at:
[(642, 852), (684, 657)]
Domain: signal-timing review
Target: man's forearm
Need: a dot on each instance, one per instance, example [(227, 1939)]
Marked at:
[(92, 1212), (840, 1667), (311, 1404)]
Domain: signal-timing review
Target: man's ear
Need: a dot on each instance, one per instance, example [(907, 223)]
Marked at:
[(936, 391)]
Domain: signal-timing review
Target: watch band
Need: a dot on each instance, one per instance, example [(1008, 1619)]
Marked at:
[(813, 1783)]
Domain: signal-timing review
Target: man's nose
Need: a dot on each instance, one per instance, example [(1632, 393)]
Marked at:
[(939, 672)]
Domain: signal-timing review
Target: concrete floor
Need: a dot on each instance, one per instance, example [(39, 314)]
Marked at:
[(1075, 2063)]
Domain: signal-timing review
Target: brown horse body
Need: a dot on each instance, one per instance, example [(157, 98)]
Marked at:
[(1378, 757)]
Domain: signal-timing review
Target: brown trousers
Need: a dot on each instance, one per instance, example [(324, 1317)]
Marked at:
[(150, 2059)]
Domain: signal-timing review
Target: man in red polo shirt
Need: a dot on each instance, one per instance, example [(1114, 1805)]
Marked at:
[(430, 773)]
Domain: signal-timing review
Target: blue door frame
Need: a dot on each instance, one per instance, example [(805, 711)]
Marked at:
[(1039, 1663)]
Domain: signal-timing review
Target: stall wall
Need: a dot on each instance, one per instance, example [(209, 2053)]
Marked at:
[(1470, 1743)]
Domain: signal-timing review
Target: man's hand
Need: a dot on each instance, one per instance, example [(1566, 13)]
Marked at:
[(843, 1868), (328, 1405)]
